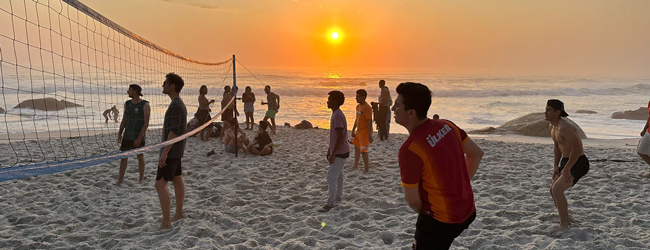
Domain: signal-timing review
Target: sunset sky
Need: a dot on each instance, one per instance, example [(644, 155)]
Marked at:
[(507, 36)]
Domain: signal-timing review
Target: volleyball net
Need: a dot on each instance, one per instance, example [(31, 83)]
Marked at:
[(64, 73)]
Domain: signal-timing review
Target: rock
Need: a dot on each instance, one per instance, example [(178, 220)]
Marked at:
[(534, 124), (488, 130), (639, 114), (582, 111), (2, 111), (47, 104), (286, 124), (304, 124)]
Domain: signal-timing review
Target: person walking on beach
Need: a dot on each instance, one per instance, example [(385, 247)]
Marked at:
[(363, 135), (338, 151), (169, 163), (384, 97), (643, 150), (248, 97), (569, 154), (203, 114), (436, 163), (135, 122), (273, 102)]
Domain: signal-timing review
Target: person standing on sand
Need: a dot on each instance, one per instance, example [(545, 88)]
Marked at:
[(169, 163), (436, 163), (248, 98), (203, 114), (273, 102), (569, 154), (363, 136), (135, 122), (643, 150), (384, 99), (338, 151)]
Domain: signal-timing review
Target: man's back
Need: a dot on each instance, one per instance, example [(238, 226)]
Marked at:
[(175, 121), (432, 158)]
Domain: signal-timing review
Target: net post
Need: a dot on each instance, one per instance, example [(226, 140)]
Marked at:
[(234, 96)]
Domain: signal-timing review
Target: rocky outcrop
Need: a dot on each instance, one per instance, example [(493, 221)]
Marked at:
[(533, 124), (639, 114), (582, 111), (47, 104)]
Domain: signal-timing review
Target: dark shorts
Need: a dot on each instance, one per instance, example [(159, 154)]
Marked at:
[(226, 116), (202, 116), (127, 145), (433, 234), (172, 169), (578, 170), (259, 148)]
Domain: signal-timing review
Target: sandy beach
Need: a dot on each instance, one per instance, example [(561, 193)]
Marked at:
[(253, 202)]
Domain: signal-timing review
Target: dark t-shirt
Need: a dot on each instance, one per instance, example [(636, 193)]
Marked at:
[(263, 139), (134, 113), (175, 121)]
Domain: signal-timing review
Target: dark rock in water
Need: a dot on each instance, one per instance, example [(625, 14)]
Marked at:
[(582, 111), (2, 111), (639, 114), (488, 130), (286, 124), (535, 124), (47, 104)]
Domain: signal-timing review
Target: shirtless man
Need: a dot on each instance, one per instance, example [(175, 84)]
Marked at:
[(569, 155)]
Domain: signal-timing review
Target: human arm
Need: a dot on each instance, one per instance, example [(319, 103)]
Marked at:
[(122, 126), (412, 197), (337, 144), (473, 156), (557, 155), (163, 157), (645, 128), (143, 131), (354, 127), (278, 97), (370, 130)]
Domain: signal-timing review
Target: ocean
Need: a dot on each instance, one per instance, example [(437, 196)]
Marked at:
[(472, 101)]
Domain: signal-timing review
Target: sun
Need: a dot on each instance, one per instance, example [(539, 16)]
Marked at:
[(334, 35)]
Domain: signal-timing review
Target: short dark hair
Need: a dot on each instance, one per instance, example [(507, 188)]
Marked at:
[(263, 125), (382, 82), (415, 96), (337, 96), (136, 88), (233, 122), (362, 92), (267, 86), (176, 80)]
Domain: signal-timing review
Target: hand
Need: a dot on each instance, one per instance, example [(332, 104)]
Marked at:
[(370, 139), (137, 141), (330, 159), (642, 133), (353, 134), (119, 138), (567, 175), (212, 101), (162, 161)]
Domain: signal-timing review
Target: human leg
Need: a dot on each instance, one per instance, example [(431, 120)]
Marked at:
[(141, 167), (561, 203), (120, 177), (365, 161), (165, 203), (357, 154), (273, 125), (179, 191)]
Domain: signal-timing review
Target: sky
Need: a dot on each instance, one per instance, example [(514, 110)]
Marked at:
[(554, 37)]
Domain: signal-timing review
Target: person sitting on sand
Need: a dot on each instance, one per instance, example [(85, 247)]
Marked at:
[(569, 154), (229, 137), (263, 141), (436, 163), (643, 149), (203, 114)]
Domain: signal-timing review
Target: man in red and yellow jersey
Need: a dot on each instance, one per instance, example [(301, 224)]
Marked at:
[(644, 145), (436, 162), (363, 127)]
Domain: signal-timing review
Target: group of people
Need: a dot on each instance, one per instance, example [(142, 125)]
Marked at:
[(439, 159), (436, 162)]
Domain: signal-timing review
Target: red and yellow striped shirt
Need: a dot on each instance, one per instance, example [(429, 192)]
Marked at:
[(432, 160)]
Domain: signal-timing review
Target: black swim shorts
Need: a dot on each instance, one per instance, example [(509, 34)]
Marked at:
[(433, 234), (172, 169), (578, 170), (127, 145)]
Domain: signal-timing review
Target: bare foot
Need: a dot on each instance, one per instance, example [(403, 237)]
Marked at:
[(177, 217), (646, 175), (118, 183), (355, 167), (365, 171), (561, 230), (165, 226)]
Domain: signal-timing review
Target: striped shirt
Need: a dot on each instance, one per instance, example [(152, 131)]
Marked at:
[(433, 161)]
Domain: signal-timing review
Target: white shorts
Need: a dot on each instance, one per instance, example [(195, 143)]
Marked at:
[(644, 145)]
